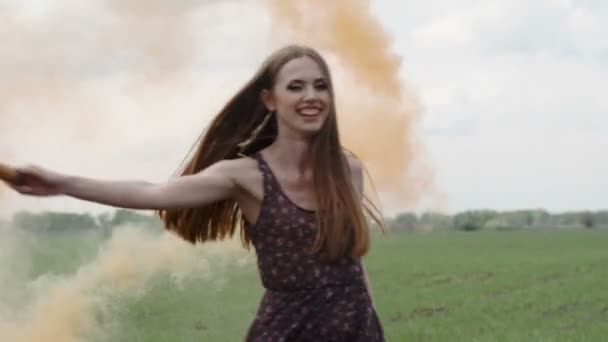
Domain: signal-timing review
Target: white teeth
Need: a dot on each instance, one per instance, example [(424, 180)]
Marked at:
[(309, 111)]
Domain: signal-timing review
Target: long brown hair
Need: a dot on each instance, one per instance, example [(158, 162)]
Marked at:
[(242, 128)]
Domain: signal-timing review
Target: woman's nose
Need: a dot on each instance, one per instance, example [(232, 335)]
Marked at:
[(310, 93)]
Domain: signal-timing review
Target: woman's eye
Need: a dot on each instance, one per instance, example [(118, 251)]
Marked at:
[(294, 87), (300, 87)]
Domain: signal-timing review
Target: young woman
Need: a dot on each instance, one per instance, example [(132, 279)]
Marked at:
[(272, 167)]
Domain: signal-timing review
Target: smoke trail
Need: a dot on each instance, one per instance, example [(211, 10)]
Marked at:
[(65, 308), (48, 63), (159, 29), (76, 72), (377, 112), (74, 75)]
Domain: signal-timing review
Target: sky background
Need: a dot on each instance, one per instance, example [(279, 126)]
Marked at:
[(512, 112)]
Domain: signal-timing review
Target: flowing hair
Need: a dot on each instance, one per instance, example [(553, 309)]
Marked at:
[(244, 127)]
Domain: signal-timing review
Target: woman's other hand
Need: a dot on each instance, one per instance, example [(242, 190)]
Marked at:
[(37, 181)]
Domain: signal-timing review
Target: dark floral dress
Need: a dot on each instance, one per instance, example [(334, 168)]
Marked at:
[(305, 298)]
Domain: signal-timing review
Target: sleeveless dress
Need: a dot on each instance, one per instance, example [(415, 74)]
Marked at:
[(305, 299)]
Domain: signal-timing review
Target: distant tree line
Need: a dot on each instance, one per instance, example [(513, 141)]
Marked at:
[(473, 220), (50, 221)]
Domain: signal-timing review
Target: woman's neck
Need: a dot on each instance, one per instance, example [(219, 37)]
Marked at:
[(291, 153)]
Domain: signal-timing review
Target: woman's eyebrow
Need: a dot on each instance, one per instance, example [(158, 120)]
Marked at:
[(320, 79)]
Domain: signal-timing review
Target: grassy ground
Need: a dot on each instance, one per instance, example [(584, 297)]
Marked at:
[(493, 286), (451, 286)]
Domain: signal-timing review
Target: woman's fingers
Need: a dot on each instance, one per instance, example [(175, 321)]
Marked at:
[(19, 189), (34, 181), (31, 175)]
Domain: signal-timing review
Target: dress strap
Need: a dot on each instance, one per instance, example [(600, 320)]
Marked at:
[(271, 185)]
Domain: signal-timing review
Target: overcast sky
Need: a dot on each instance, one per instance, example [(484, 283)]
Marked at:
[(513, 115), (514, 91)]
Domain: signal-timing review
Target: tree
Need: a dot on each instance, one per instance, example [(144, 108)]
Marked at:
[(436, 220), (125, 216), (601, 218), (473, 220), (54, 221), (404, 221), (588, 220)]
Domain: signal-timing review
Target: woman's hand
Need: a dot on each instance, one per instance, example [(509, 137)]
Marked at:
[(37, 181)]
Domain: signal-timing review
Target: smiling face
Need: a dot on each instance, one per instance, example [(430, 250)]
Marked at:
[(300, 97)]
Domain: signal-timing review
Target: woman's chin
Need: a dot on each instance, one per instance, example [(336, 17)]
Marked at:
[(303, 128), (309, 130)]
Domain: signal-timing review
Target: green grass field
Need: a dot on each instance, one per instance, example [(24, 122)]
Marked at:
[(443, 286)]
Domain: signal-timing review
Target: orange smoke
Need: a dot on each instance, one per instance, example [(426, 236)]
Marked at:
[(64, 308), (377, 113), (159, 30), (63, 73), (90, 73), (48, 67)]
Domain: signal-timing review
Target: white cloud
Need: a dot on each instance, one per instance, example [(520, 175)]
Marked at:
[(513, 91)]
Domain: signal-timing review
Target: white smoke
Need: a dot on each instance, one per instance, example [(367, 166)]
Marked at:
[(66, 308)]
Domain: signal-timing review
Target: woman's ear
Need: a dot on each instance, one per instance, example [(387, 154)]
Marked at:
[(268, 100)]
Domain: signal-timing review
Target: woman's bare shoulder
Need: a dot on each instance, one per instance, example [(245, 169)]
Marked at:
[(239, 167), (244, 172), (354, 163), (356, 170)]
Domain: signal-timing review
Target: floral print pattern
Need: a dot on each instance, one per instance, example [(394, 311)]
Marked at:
[(306, 299)]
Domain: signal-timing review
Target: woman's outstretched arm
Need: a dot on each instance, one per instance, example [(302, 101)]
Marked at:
[(213, 184)]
